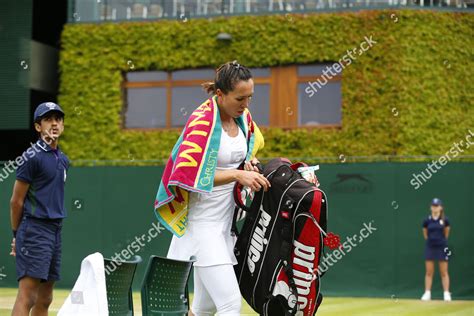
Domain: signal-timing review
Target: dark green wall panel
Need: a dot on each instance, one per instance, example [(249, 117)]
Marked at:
[(116, 205), (15, 61)]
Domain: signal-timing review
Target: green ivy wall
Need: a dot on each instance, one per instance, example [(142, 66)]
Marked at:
[(410, 94)]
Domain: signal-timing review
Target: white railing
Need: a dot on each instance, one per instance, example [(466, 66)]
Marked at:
[(120, 10)]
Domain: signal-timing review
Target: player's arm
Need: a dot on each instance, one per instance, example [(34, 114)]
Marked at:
[(425, 233), (252, 179), (226, 176), (20, 189), (446, 231)]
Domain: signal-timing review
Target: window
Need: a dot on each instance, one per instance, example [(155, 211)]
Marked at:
[(285, 96), (146, 114), (319, 95), (183, 102), (260, 104), (305, 96), (321, 108), (157, 99)]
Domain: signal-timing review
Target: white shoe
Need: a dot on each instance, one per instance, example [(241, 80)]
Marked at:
[(426, 296), (447, 296)]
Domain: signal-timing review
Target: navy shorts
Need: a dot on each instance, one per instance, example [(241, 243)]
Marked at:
[(436, 253), (38, 248)]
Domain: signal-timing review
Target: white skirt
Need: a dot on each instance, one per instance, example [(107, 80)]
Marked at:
[(211, 243), (208, 237)]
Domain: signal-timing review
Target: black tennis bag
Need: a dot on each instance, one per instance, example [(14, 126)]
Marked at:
[(279, 246)]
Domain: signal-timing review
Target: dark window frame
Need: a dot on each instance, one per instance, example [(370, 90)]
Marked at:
[(283, 97)]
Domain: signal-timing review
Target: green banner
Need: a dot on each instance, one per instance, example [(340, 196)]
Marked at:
[(373, 207)]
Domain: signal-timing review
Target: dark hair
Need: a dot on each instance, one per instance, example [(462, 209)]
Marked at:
[(227, 76), (442, 213)]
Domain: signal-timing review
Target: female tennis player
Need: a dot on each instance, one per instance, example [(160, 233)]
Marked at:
[(436, 231), (208, 225)]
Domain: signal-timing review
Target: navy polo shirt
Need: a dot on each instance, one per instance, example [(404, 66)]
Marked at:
[(435, 229), (45, 170)]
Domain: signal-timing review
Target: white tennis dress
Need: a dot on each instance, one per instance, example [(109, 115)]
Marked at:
[(208, 235)]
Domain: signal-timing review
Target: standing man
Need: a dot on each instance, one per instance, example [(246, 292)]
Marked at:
[(37, 211)]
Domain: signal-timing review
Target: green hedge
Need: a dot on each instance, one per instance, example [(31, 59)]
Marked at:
[(410, 94)]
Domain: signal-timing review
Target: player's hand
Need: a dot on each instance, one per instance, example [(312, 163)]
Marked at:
[(251, 165), (316, 181), (13, 252), (253, 180)]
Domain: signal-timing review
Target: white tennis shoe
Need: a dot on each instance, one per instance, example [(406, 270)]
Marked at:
[(426, 296), (447, 296)]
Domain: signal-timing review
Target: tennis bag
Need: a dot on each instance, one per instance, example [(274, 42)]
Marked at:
[(279, 246)]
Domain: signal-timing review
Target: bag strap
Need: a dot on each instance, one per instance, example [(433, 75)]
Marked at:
[(296, 165), (287, 245), (240, 203), (238, 197), (238, 188), (233, 228)]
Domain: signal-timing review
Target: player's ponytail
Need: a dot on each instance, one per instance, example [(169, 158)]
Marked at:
[(209, 87), (227, 76)]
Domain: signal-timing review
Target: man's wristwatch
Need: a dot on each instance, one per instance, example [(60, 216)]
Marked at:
[(14, 233)]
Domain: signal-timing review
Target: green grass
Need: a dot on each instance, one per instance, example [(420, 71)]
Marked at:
[(331, 306)]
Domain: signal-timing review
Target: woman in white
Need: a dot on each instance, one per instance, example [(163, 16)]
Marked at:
[(208, 236)]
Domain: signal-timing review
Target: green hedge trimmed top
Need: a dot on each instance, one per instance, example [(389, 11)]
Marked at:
[(410, 94)]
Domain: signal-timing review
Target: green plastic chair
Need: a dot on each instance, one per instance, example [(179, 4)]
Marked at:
[(165, 287), (118, 281)]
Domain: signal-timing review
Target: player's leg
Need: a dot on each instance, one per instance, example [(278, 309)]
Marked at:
[(27, 294), (44, 299), (202, 301), (429, 266), (29, 269), (35, 261), (443, 271), (221, 284), (45, 292)]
